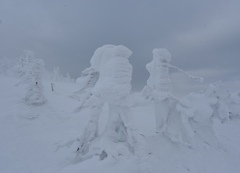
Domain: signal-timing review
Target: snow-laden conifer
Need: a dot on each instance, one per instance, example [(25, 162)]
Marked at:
[(159, 90), (23, 68), (35, 95), (120, 136)]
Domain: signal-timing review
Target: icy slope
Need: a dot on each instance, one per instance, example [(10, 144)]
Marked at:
[(44, 139)]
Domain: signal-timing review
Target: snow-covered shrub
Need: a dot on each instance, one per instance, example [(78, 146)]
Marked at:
[(222, 96), (196, 111), (35, 94), (228, 104), (199, 109)]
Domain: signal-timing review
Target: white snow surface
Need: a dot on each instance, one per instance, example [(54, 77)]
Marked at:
[(44, 139)]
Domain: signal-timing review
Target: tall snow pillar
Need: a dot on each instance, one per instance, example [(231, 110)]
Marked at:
[(159, 85)]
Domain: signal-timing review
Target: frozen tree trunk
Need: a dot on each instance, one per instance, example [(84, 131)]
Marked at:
[(162, 113), (137, 141), (123, 133), (115, 127), (91, 130)]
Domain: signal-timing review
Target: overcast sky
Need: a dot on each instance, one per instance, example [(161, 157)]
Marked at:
[(203, 36)]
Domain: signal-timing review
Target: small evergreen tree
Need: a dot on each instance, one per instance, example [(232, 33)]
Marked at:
[(35, 94), (23, 69)]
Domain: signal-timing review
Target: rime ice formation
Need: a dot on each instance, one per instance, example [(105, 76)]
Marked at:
[(159, 81), (196, 111), (86, 82), (88, 78), (159, 89), (199, 109), (222, 107), (30, 71), (115, 71), (159, 86), (113, 87), (90, 133)]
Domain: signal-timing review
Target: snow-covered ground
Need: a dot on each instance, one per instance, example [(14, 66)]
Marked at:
[(44, 139)]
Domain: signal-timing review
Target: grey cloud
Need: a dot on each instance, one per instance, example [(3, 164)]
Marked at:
[(201, 35)]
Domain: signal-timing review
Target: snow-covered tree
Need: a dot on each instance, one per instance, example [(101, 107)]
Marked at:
[(159, 89), (159, 86), (35, 94), (23, 69), (113, 87)]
